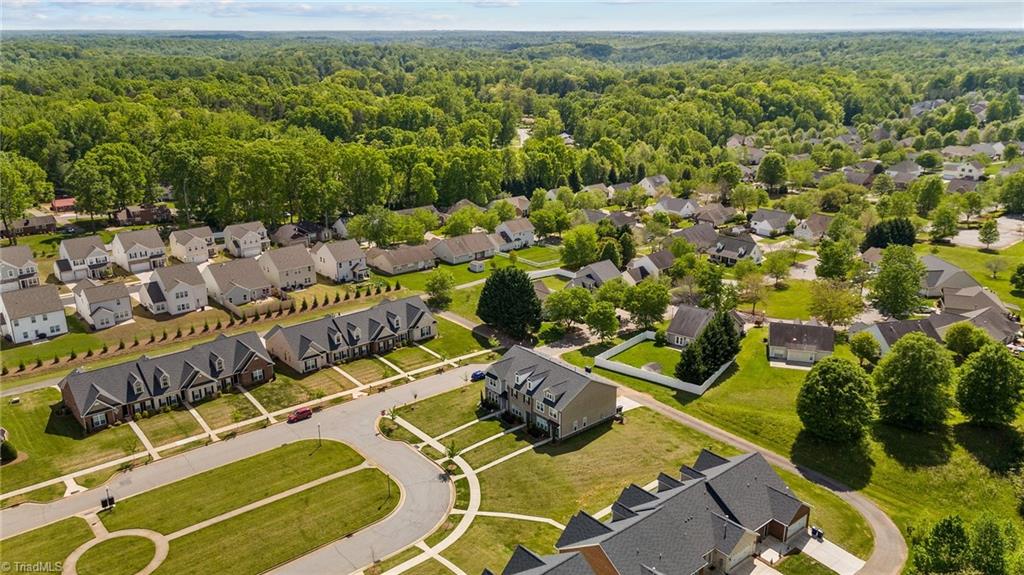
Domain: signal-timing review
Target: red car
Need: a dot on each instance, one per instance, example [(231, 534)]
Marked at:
[(300, 414)]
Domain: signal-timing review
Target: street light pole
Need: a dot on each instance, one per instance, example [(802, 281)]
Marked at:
[(319, 440)]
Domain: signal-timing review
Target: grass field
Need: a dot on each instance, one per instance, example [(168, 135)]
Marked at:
[(429, 567), (554, 283), (117, 556), (55, 444), (787, 300), (41, 495), (473, 434), (227, 409), (410, 357), (367, 370), (972, 260), (453, 340), (490, 541), (189, 501), (492, 450), (49, 544), (289, 388), (164, 428), (647, 352), (800, 564), (436, 415), (464, 302), (300, 523), (541, 254)]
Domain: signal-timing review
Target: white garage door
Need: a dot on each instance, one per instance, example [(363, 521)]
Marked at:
[(140, 267), (799, 527)]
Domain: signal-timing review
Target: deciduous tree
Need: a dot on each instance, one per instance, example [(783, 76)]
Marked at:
[(837, 400), (914, 382), (991, 386)]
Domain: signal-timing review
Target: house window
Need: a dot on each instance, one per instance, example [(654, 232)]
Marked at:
[(99, 420), (540, 407), (309, 364), (257, 375), (219, 364), (54, 329)]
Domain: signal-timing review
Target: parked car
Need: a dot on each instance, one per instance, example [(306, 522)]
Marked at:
[(300, 414), (477, 376)]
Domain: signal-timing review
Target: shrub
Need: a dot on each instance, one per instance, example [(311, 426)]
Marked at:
[(206, 326), (192, 330), (146, 414), (327, 300), (120, 344), (3, 370), (74, 354), (56, 359), (7, 451), (346, 296), (337, 297), (21, 366), (177, 333), (398, 285), (316, 303), (88, 352), (137, 416), (660, 337), (105, 349), (39, 362), (220, 325), (165, 335), (304, 305), (152, 337), (136, 344)]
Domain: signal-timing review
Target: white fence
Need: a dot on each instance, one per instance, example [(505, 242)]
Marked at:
[(604, 361), (562, 273)]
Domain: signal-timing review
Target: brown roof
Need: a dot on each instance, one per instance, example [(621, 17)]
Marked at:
[(97, 292), (519, 225), (244, 272), (468, 244), (402, 255), (32, 301), (185, 236)]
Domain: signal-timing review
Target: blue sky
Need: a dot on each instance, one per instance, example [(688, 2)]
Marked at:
[(616, 15)]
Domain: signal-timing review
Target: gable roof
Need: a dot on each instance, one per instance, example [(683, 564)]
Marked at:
[(801, 336), (466, 244), (402, 255), (97, 292), (733, 247), (690, 321), (702, 235), (238, 230), (938, 272), (16, 256), (341, 250), (777, 219), (80, 248), (716, 213), (676, 205), (599, 272), (543, 375), (818, 223), (517, 225), (27, 302), (184, 236), (185, 273), (147, 238), (243, 272), (289, 258)]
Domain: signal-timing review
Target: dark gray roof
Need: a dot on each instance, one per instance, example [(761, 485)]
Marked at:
[(674, 204), (385, 319), (80, 248), (594, 216), (543, 374), (734, 247), (702, 235), (620, 219), (657, 180), (114, 385), (818, 223), (716, 214), (31, 301), (526, 562), (598, 272), (289, 258), (801, 336), (690, 321), (16, 256), (938, 271)]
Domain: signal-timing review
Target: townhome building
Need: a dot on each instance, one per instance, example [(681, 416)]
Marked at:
[(101, 397), (236, 282), (342, 261), (18, 268), (400, 260), (246, 240), (32, 313), (547, 394), (288, 268), (174, 290), (102, 305), (81, 258), (315, 344), (515, 234), (138, 250), (193, 246)]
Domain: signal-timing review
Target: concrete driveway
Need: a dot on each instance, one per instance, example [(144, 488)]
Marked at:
[(1011, 231)]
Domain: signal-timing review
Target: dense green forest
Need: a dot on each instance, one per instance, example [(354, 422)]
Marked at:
[(279, 126)]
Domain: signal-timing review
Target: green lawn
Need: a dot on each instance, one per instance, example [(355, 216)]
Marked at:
[(787, 300), (367, 370), (227, 409), (842, 522), (647, 352), (438, 414), (464, 302), (78, 339), (493, 450), (800, 564), (490, 541), (429, 567), (55, 444), (41, 495), (453, 340), (117, 556), (49, 544), (541, 254), (474, 433), (299, 524), (411, 357), (972, 260), (554, 283), (393, 561), (189, 501), (164, 428), (289, 388)]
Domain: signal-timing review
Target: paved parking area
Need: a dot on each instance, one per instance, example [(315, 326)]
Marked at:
[(830, 555), (1011, 231)]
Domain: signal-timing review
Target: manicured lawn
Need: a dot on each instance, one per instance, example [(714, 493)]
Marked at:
[(396, 432), (211, 493), (101, 476), (290, 388), (41, 495), (554, 283), (49, 544), (299, 524), (438, 414), (117, 556), (55, 444), (842, 523), (474, 433), (490, 541), (464, 302), (801, 564), (393, 561), (418, 280), (547, 255), (972, 260), (453, 340), (227, 409), (164, 428), (429, 567), (411, 357), (647, 352), (78, 339), (493, 450), (787, 300), (367, 370)]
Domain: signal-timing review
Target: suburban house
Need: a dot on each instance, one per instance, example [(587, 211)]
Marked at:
[(28, 226), (813, 228), (318, 343), (288, 268), (600, 188), (102, 305), (800, 342), (400, 260), (940, 274), (751, 155), (81, 258), (429, 208), (463, 203), (595, 275), (689, 322), (464, 248), (339, 229), (709, 520), (621, 218), (859, 178), (305, 233), (887, 333), (100, 397), (175, 290), (520, 203), (961, 186), (653, 185), (730, 249), (701, 236), (593, 216), (650, 265), (341, 261), (969, 299), (872, 257), (246, 240), (141, 215), (906, 167), (193, 246), (715, 214), (547, 394), (32, 313), (515, 234), (682, 207), (18, 268), (236, 282), (770, 223), (972, 170), (138, 250), (62, 205)]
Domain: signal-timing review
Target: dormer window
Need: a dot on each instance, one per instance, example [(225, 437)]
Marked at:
[(218, 363), (549, 396), (165, 380), (136, 385)]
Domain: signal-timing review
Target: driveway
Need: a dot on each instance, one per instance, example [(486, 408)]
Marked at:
[(830, 555), (426, 495), (1011, 231)]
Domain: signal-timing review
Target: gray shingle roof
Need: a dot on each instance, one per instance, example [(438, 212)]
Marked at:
[(938, 272), (801, 336), (31, 301), (777, 219), (343, 250), (16, 256), (96, 292), (690, 321), (716, 214), (289, 258), (702, 235), (147, 238), (185, 273), (734, 247), (468, 244), (244, 272), (544, 374), (517, 225), (598, 272), (402, 255), (236, 230), (184, 236), (80, 248)]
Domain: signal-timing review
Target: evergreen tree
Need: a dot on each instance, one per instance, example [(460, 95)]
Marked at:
[(509, 303)]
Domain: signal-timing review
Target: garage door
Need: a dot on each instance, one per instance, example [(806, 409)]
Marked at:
[(799, 527), (143, 267)]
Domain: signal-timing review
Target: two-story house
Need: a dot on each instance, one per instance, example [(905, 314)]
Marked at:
[(175, 290), (236, 282), (32, 313), (342, 261), (515, 234), (288, 268), (246, 240), (81, 258), (547, 394), (18, 268), (102, 305), (101, 397), (193, 246), (138, 250), (315, 344)]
